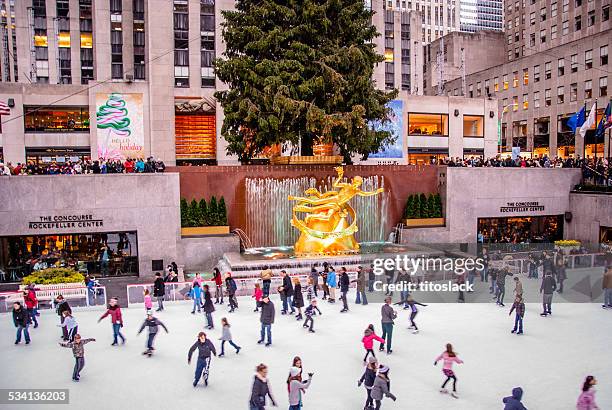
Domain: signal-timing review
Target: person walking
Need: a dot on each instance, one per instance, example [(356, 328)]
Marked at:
[(218, 286), (61, 306), (344, 288), (257, 295), (287, 290), (114, 311), (388, 314), (514, 402), (368, 341), (547, 288), (196, 295), (361, 287), (153, 324), (226, 336), (367, 379), (205, 349), (266, 319), (31, 303), (332, 282), (586, 400), (310, 312), (71, 325), (298, 297), (78, 351), (296, 386), (21, 321), (230, 285), (266, 278), (209, 308), (159, 290), (382, 387), (519, 306), (518, 287), (449, 357), (606, 285), (260, 389)]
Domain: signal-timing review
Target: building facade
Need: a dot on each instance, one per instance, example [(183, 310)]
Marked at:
[(476, 15)]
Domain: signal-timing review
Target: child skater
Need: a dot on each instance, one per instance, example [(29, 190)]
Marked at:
[(257, 295), (226, 336), (368, 341), (519, 306), (114, 311), (309, 288), (449, 357), (412, 304), (298, 297), (196, 295), (71, 325), (209, 307), (153, 324), (78, 350), (382, 386), (367, 378), (311, 311)]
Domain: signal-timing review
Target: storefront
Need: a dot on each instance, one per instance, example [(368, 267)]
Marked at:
[(45, 156), (521, 229)]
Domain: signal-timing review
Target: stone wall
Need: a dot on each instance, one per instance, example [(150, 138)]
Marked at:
[(589, 213), (202, 253)]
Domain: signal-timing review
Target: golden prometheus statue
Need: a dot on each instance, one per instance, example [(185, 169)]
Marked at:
[(326, 229)]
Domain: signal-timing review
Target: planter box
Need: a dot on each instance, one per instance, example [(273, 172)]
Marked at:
[(307, 160), (423, 222), (205, 230)]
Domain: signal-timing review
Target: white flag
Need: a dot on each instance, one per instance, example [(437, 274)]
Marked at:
[(590, 121)]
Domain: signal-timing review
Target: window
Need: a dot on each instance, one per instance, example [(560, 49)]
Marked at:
[(547, 97), (536, 74), (561, 67), (532, 19), (553, 9), (543, 14), (496, 84), (57, 119), (574, 63), (428, 124), (505, 81), (536, 99), (591, 18), (487, 87), (553, 32), (515, 80), (573, 92), (603, 55), (588, 59), (565, 6), (578, 3), (478, 89), (515, 103), (471, 91), (565, 28), (560, 95), (543, 36), (548, 70), (532, 40), (603, 86), (605, 13), (525, 101), (578, 23), (473, 126), (525, 76), (588, 89)]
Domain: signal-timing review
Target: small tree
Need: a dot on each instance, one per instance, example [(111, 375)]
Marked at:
[(194, 210), (213, 212), (431, 204), (222, 212), (184, 213), (438, 205), (203, 213), (424, 206)]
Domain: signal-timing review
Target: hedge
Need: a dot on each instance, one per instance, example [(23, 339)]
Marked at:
[(52, 276), (421, 206), (200, 213)]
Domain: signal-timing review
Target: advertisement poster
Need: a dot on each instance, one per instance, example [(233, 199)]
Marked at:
[(120, 128), (394, 126)]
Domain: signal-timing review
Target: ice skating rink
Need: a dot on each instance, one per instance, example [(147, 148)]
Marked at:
[(549, 362)]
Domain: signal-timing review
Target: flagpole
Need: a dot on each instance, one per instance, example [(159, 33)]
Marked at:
[(595, 154), (584, 139)]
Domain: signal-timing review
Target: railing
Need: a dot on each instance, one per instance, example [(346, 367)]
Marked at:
[(77, 296), (595, 180)]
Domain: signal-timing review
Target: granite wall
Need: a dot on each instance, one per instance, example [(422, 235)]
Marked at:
[(201, 254), (590, 212)]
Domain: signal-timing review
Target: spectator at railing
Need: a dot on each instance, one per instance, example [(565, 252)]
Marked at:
[(100, 166)]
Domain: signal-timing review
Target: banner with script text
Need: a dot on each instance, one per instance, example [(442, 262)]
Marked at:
[(120, 128)]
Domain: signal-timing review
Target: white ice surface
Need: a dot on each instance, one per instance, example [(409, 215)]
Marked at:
[(549, 362)]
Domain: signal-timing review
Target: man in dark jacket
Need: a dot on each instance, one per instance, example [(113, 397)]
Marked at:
[(514, 402), (501, 285), (344, 288), (61, 306), (387, 316), (230, 285), (547, 288), (21, 320), (266, 319), (205, 349), (159, 290), (287, 288)]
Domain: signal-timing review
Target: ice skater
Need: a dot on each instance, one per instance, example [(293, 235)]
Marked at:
[(257, 295), (310, 312), (153, 324), (344, 288), (387, 314), (414, 311), (367, 379), (71, 325), (218, 286), (31, 302), (230, 285), (586, 400), (296, 386), (260, 389), (226, 336), (78, 350), (449, 357), (148, 303), (196, 295), (298, 298), (501, 286), (368, 341), (61, 305), (205, 349), (21, 321), (382, 387), (519, 306), (266, 319), (286, 290), (209, 308), (547, 288), (514, 402), (332, 282), (159, 291), (114, 311)]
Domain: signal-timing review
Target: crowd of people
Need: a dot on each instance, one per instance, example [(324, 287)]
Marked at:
[(99, 166), (208, 298), (537, 161)]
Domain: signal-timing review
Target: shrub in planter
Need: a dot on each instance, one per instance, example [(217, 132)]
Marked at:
[(222, 210), (203, 216), (52, 276)]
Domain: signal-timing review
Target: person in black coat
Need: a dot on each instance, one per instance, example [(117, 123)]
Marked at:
[(547, 289), (230, 285), (344, 288), (266, 319), (61, 306), (298, 298), (21, 320), (205, 349), (209, 307), (287, 289), (159, 290), (260, 389)]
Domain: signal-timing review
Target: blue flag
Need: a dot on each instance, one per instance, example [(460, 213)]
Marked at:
[(576, 120), (605, 122)]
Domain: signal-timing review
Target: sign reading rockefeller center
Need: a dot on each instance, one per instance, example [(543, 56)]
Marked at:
[(65, 222), (521, 207)]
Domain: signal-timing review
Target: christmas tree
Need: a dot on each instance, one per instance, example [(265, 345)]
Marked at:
[(203, 213), (213, 212), (222, 212), (299, 69)]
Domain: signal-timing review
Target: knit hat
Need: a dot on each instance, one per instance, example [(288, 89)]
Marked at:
[(294, 371), (372, 359), (383, 369)]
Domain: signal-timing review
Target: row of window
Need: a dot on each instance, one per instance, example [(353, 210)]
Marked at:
[(553, 5), (436, 125)]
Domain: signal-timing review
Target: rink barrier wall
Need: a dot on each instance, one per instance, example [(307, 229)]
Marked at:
[(77, 296)]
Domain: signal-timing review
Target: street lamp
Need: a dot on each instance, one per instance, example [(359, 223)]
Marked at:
[(499, 128)]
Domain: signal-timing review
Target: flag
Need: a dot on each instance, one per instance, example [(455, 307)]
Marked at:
[(577, 120), (4, 109), (605, 122), (590, 121)]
